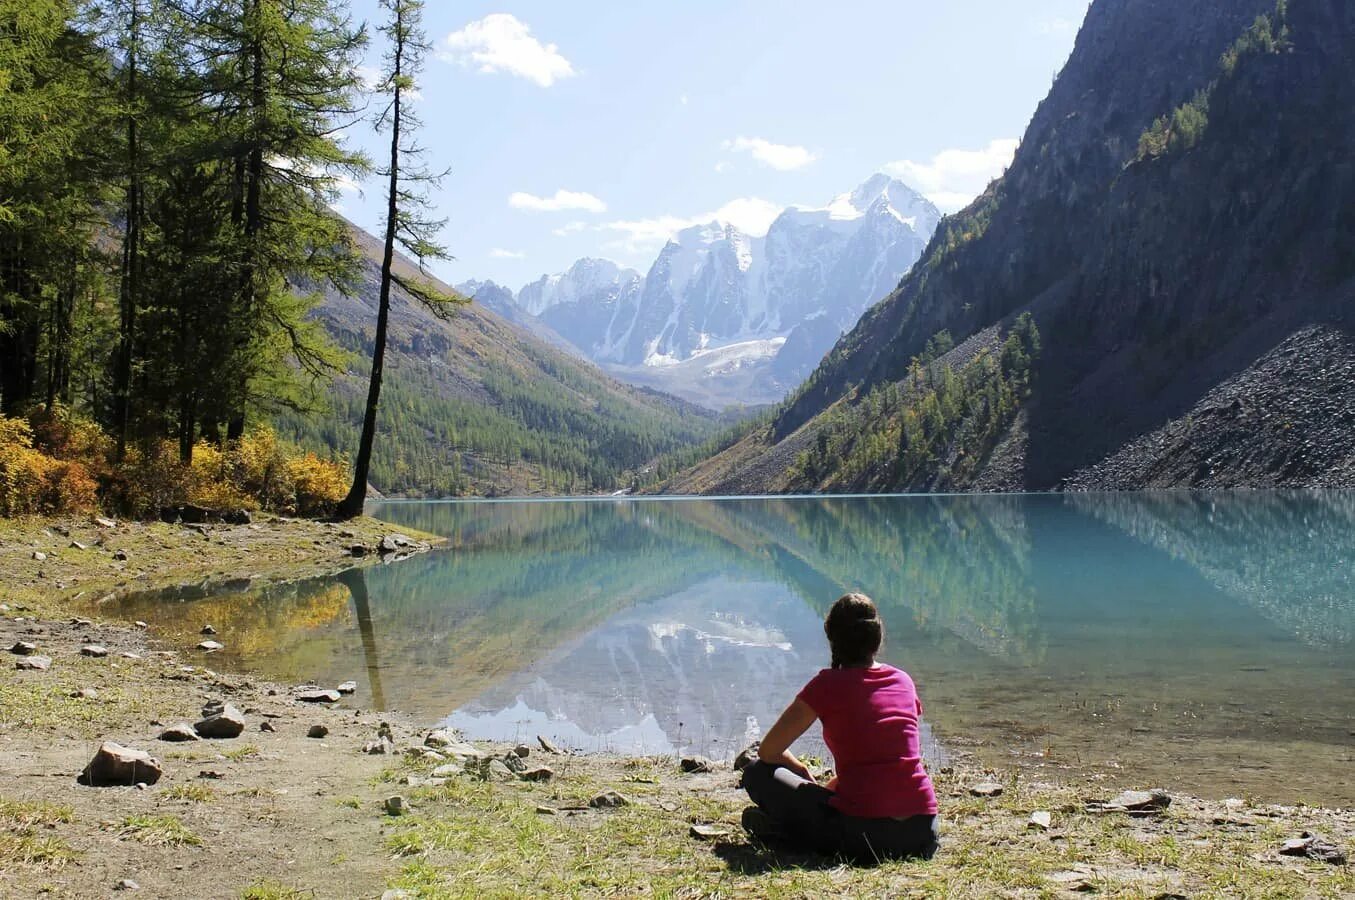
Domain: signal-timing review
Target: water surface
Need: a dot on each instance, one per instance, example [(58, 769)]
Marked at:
[(1206, 642)]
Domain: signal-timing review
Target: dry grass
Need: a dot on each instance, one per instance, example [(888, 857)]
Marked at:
[(159, 831)]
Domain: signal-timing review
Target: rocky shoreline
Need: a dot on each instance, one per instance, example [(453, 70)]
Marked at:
[(223, 786)]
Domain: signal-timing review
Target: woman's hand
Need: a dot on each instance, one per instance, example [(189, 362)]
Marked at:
[(775, 746)]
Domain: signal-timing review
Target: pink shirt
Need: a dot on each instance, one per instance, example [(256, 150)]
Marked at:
[(870, 724)]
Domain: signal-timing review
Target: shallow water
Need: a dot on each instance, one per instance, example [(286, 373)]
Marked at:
[(1205, 642)]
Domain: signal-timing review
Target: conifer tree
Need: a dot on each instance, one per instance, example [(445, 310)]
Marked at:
[(406, 226)]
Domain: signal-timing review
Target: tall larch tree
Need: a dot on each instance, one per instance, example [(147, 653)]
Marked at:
[(407, 226)]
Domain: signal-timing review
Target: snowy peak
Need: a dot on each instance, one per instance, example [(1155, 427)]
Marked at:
[(587, 278)]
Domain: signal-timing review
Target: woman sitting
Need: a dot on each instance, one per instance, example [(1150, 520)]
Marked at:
[(881, 804)]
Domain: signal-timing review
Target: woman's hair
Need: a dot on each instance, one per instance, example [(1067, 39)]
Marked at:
[(854, 630)]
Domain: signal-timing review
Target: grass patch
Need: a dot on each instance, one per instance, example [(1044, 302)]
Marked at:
[(27, 813), (34, 851), (241, 753), (422, 880), (193, 793), (159, 831), (270, 889), (21, 841), (349, 802)]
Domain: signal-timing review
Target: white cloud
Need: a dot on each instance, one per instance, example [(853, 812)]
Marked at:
[(723, 166), (561, 200), (783, 157), (500, 253), (502, 43), (751, 215), (683, 99), (954, 177), (569, 229)]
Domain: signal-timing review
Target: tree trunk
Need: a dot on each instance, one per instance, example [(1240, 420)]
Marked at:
[(357, 494), (131, 253)]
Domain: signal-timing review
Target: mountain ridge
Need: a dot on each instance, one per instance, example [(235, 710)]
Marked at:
[(1168, 233)]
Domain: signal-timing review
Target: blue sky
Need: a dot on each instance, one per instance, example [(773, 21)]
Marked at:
[(585, 128)]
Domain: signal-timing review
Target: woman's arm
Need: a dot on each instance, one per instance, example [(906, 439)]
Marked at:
[(775, 746)]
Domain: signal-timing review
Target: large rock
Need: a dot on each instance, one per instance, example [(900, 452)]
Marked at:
[(227, 723), (1136, 803), (211, 646), (747, 756), (696, 764), (319, 696), (179, 733), (34, 663), (540, 774), (24, 648), (115, 764), (986, 789), (1314, 846), (515, 763), (94, 650), (609, 800), (400, 543)]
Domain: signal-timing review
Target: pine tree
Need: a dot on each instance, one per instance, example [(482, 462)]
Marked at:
[(405, 226)]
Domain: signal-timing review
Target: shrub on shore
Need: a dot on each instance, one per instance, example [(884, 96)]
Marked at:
[(55, 463)]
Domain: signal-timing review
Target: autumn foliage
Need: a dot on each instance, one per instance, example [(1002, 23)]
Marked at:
[(56, 463)]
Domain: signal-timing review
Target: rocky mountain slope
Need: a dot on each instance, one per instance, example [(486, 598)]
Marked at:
[(1179, 222), (483, 405), (725, 317)]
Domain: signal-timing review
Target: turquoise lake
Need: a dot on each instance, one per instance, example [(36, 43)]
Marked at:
[(1203, 642)]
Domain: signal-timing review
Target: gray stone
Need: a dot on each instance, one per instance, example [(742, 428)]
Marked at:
[(986, 789), (395, 806), (746, 757), (34, 663), (105, 523), (448, 770), (514, 763), (207, 629), (539, 774), (1040, 820), (548, 745), (211, 646), (39, 556), (76, 545), (85, 694), (496, 770), (708, 832), (397, 894), (546, 811), (358, 551), (400, 543), (320, 696), (1313, 846), (120, 555), (380, 746), (140, 624), (609, 800), (523, 750), (268, 726), (348, 687), (94, 650), (227, 723), (317, 731), (126, 884), (177, 733), (696, 764), (24, 648), (115, 764), (1135, 803)]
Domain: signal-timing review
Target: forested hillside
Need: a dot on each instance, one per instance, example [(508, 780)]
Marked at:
[(477, 405), (1184, 243)]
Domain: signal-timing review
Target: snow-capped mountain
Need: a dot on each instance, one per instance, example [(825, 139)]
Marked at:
[(724, 316)]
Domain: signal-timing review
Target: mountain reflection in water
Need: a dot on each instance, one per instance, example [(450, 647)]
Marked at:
[(1174, 637)]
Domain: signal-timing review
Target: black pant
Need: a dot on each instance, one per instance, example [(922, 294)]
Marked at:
[(800, 808)]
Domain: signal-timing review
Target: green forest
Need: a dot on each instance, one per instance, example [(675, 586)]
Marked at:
[(935, 427)]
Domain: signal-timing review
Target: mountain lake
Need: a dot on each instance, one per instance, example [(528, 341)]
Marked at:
[(1203, 642)]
